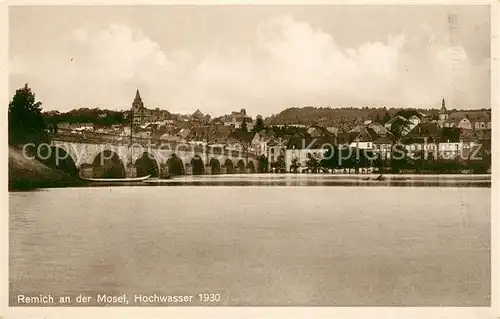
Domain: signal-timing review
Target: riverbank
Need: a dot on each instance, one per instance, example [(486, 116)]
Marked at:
[(27, 173)]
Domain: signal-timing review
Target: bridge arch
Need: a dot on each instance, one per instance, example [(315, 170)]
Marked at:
[(215, 166), (241, 166), (175, 165), (108, 164), (251, 167), (197, 165), (229, 166), (146, 164), (59, 158)]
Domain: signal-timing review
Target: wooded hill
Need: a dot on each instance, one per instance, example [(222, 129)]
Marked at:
[(309, 115)]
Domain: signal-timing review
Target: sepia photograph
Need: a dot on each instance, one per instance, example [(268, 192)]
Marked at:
[(250, 155)]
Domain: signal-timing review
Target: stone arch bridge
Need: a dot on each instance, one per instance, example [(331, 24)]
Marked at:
[(104, 155)]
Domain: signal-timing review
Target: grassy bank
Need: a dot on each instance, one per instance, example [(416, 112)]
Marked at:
[(28, 173)]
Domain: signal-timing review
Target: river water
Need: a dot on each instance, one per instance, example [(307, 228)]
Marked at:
[(254, 246)]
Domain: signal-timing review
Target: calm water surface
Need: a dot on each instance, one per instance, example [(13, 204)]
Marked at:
[(329, 246)]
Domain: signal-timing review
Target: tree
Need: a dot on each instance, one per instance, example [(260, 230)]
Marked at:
[(244, 126), (295, 165), (434, 117), (312, 163), (380, 162), (386, 117), (399, 158), (259, 124), (263, 161), (26, 123), (450, 133), (331, 158), (281, 164)]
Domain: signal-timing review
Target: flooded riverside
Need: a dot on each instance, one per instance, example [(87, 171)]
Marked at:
[(328, 245)]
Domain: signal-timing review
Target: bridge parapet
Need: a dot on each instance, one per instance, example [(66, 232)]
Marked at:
[(113, 139)]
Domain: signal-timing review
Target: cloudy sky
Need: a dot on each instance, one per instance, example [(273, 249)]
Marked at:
[(262, 58)]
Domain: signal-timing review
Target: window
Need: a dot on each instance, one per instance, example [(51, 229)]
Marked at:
[(489, 125), (482, 125), (476, 124)]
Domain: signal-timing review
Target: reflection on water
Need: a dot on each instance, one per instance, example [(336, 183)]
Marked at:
[(331, 246), (317, 180)]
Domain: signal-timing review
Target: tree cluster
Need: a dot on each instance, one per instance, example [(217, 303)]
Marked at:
[(87, 115), (26, 124)]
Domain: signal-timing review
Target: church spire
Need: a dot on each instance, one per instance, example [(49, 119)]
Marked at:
[(137, 104), (443, 107), (137, 97)]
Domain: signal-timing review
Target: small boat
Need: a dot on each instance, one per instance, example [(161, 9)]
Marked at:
[(125, 180), (158, 179)]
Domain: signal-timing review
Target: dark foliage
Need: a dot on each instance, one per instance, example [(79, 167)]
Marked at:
[(280, 165), (451, 134), (26, 123), (86, 115), (244, 126), (289, 130), (294, 167), (399, 158), (259, 124), (263, 164)]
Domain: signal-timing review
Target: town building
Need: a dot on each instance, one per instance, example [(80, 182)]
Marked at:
[(443, 113), (301, 148), (360, 138), (236, 119), (423, 138), (276, 151), (372, 137), (469, 120), (261, 140), (476, 120), (143, 116)]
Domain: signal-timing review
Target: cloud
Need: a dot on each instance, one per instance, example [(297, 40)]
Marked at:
[(290, 64)]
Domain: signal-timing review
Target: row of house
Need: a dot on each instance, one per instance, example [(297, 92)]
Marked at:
[(417, 133), (453, 134), (468, 120)]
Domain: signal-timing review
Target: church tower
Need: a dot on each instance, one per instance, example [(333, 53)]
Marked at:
[(137, 104), (443, 113), (138, 109)]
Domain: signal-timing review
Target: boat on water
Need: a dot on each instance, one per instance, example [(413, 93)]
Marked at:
[(378, 178), (127, 180)]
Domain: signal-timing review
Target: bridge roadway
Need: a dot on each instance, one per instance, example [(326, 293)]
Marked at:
[(106, 155)]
